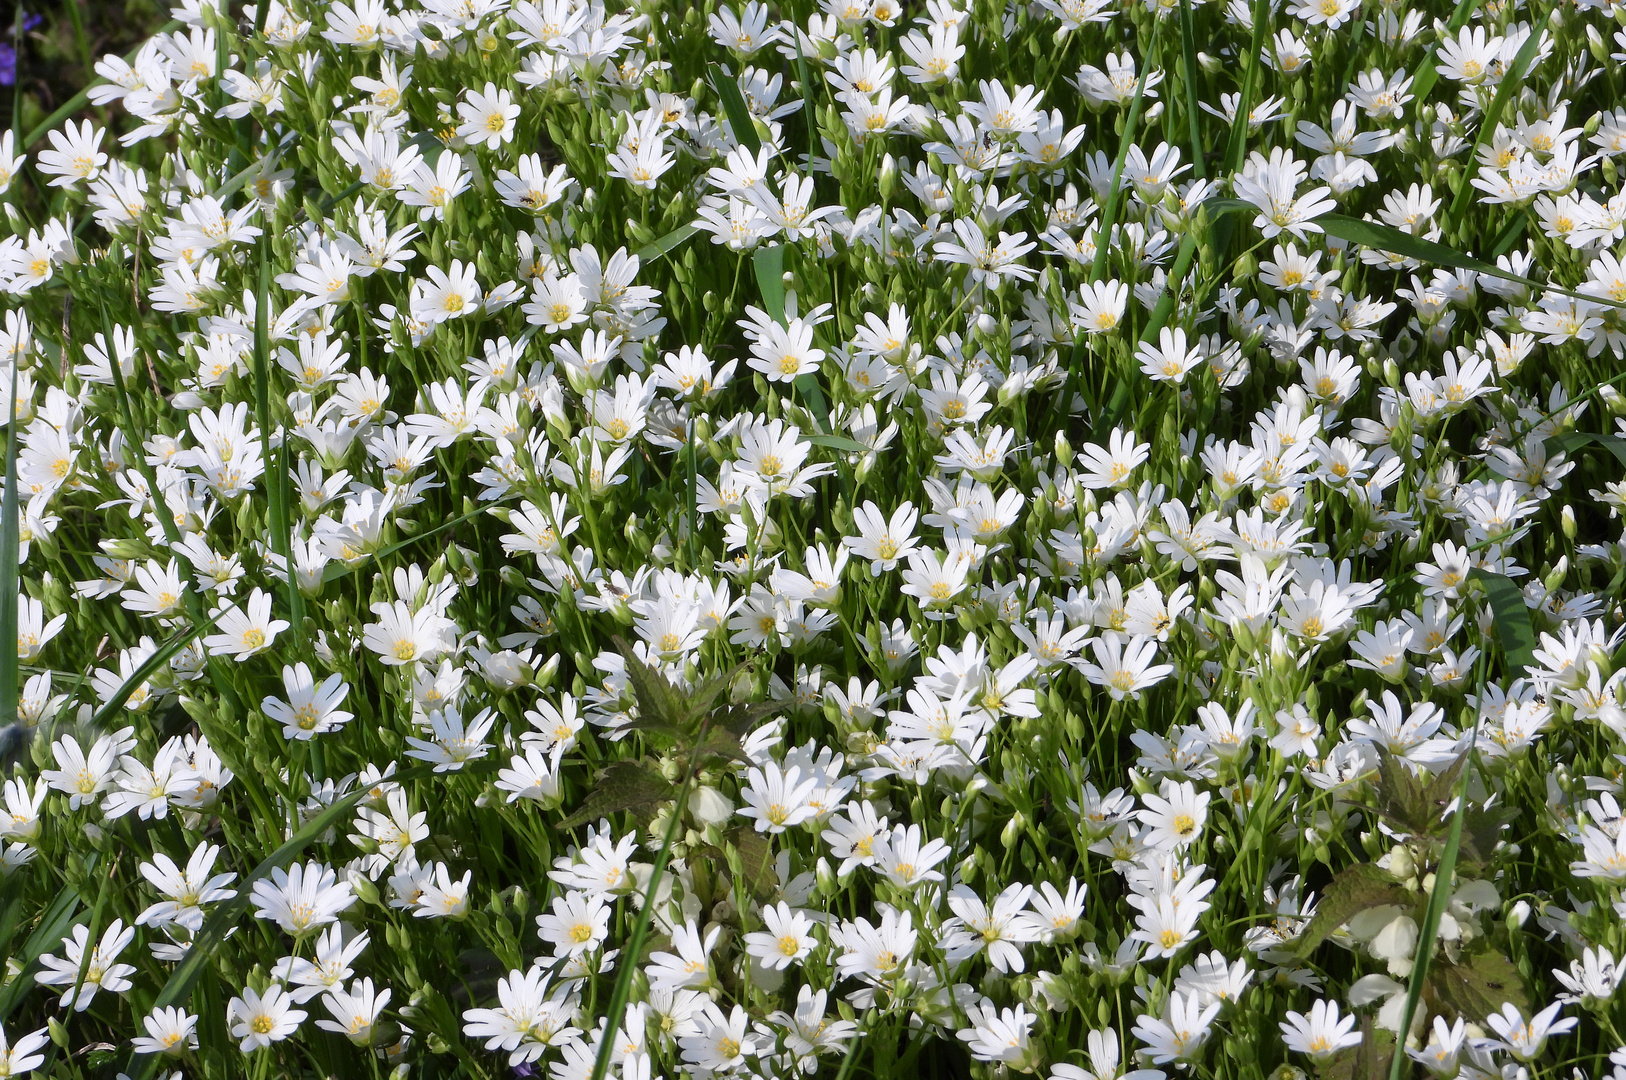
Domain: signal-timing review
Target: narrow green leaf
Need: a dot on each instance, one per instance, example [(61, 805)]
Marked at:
[(48, 933), (1188, 75), (158, 659), (739, 117), (839, 442), (1236, 147), (10, 532), (1381, 237), (1512, 620), (335, 571), (663, 246), (1571, 441), (1505, 91), (768, 263), (1109, 209), (1124, 391)]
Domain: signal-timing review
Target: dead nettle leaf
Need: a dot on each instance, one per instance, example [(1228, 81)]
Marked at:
[(622, 785), (1478, 986), (1367, 1060), (756, 860), (1353, 891), (670, 710)]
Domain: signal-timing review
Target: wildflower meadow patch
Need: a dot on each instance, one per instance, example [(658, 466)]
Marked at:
[(877, 538)]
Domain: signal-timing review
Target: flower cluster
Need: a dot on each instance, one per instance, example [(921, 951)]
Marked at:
[(644, 540)]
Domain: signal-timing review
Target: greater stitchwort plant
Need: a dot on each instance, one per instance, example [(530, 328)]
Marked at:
[(880, 538)]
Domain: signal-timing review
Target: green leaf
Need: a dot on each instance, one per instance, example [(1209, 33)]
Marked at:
[(662, 246), (622, 785), (1353, 891), (337, 570), (769, 265), (657, 698), (1109, 208), (739, 117), (839, 442), (1237, 145), (756, 860), (1487, 125), (1188, 75), (1512, 620), (51, 929), (1570, 441), (1479, 986), (10, 539), (1381, 237)]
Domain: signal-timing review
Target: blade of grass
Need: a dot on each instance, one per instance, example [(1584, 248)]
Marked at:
[(1487, 127), (739, 117), (1437, 899), (1236, 146), (50, 930), (1159, 317), (9, 542), (768, 263), (1188, 75), (663, 246), (1109, 210), (1570, 441), (276, 469), (335, 571)]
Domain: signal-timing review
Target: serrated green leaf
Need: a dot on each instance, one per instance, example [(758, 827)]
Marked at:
[(1479, 985), (657, 698), (756, 860), (1353, 891), (1512, 620), (1402, 799), (622, 785)]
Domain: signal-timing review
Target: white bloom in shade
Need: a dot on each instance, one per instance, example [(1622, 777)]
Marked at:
[(242, 634), (23, 1057), (100, 971), (170, 1031), (529, 1020), (301, 898), (260, 1021), (488, 118), (1441, 1054), (786, 940), (1525, 1039), (689, 966), (453, 744), (1322, 1033), (1593, 978), (356, 1011), (1124, 665), (720, 1043), (1001, 1035)]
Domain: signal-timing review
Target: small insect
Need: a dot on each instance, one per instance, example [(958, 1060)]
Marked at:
[(987, 140), (616, 590)]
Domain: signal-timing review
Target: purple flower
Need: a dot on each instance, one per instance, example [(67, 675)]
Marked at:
[(8, 65)]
